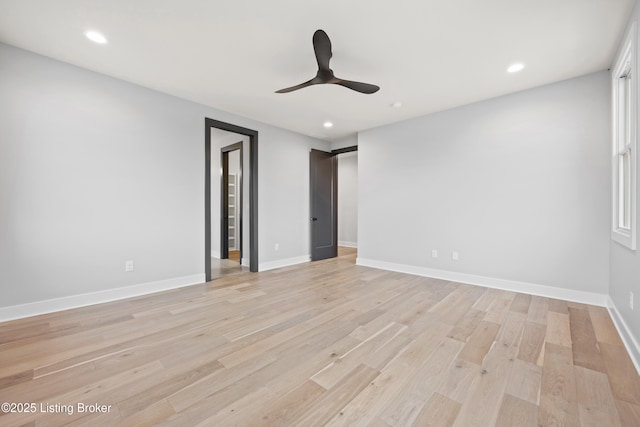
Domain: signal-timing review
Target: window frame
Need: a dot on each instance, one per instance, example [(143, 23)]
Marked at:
[(624, 144)]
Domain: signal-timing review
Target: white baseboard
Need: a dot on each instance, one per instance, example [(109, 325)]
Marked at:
[(215, 254), (630, 342), (270, 265), (491, 282), (82, 300), (347, 244)]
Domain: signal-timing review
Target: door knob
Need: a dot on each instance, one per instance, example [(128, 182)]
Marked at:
[(314, 219)]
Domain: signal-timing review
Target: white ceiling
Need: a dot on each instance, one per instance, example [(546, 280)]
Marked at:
[(233, 54)]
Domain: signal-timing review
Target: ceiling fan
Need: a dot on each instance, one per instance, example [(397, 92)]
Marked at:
[(322, 48)]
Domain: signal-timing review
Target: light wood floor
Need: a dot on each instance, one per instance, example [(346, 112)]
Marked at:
[(227, 267), (234, 255), (323, 343)]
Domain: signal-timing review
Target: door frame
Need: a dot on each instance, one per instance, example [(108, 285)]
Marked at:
[(333, 217), (224, 201), (334, 212), (253, 191), (345, 150)]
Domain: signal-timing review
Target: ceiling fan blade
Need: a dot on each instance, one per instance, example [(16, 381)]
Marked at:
[(322, 48), (296, 87), (357, 86)]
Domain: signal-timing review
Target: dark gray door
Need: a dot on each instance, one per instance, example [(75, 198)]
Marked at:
[(324, 205)]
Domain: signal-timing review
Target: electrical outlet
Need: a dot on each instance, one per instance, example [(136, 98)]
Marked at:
[(454, 255), (631, 300), (128, 266), (434, 253), (276, 246)]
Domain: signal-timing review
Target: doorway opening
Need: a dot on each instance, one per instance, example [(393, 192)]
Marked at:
[(348, 205), (231, 203), (228, 151), (333, 223)]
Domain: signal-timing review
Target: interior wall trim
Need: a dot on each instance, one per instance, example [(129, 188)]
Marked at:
[(82, 300), (270, 265), (345, 150), (630, 342), (491, 282), (253, 191), (347, 244)]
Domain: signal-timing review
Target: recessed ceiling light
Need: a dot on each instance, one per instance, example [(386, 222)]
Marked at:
[(397, 104), (96, 37), (328, 124), (514, 68)]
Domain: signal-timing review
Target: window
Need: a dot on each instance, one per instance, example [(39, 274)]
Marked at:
[(625, 120)]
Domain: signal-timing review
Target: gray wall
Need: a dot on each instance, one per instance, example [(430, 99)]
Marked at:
[(95, 171), (518, 185), (625, 263), (348, 198)]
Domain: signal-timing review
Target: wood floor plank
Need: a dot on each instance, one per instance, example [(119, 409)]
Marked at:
[(292, 405), (586, 352), (482, 405), (558, 400), (538, 310), (517, 412), (391, 380), (246, 352), (558, 329), (524, 381), (623, 377), (455, 305), (629, 414), (480, 342), (603, 326), (594, 395), (241, 411), (439, 411), (149, 416), (499, 309), (333, 400), (161, 387), (467, 325), (377, 422), (487, 299), (388, 349), (521, 303), (510, 334), (590, 417), (558, 306), (403, 409), (532, 341), (341, 366), (460, 379), (14, 379)]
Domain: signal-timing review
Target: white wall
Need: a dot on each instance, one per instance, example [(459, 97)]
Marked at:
[(348, 199), (625, 263), (518, 185), (95, 171)]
